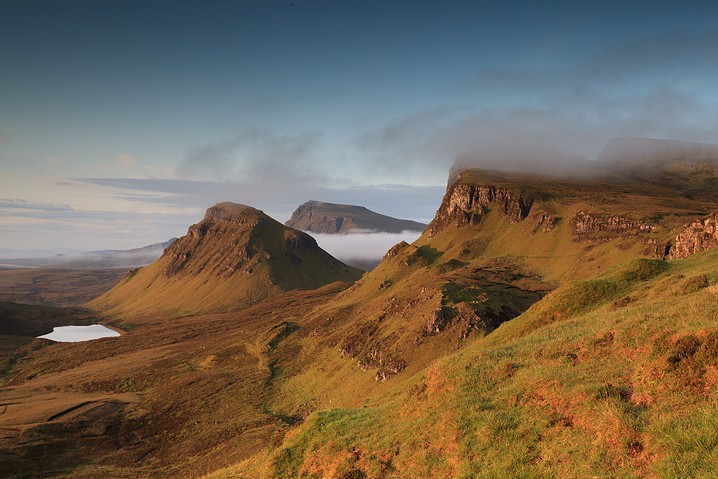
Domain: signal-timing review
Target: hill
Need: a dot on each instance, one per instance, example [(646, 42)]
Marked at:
[(235, 256), (609, 377), (332, 218)]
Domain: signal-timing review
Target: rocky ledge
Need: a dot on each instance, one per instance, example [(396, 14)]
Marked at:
[(465, 205), (584, 223), (701, 235)]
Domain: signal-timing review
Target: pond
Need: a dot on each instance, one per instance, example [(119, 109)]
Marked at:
[(74, 334)]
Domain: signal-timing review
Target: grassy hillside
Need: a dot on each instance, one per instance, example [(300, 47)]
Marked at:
[(459, 281), (610, 377), (496, 409)]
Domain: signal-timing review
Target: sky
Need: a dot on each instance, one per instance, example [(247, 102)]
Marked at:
[(122, 122)]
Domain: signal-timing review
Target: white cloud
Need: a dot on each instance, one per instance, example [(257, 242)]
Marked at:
[(362, 246), (125, 161), (257, 155)]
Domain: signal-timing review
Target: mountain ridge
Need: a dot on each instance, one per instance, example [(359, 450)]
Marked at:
[(130, 258)]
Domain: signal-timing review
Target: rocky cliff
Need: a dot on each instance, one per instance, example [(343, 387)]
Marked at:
[(465, 204), (584, 223), (700, 235), (332, 218)]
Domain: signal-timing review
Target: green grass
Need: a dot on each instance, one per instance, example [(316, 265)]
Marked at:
[(615, 392)]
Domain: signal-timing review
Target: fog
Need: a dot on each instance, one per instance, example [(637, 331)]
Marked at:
[(132, 258), (363, 250)]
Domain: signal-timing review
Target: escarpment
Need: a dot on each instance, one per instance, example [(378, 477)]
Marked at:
[(700, 235), (584, 223), (465, 204), (332, 218)]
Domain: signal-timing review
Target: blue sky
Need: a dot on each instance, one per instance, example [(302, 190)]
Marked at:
[(121, 122)]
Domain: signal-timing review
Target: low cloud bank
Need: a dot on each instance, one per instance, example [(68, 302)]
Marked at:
[(132, 258), (363, 250)]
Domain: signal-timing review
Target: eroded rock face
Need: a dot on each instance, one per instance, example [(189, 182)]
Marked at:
[(300, 241), (439, 320), (544, 222), (465, 204), (584, 223), (228, 241), (396, 249), (701, 235), (231, 213), (230, 256)]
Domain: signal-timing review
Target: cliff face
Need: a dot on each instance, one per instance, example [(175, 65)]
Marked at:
[(701, 235), (465, 204), (584, 223), (331, 218), (221, 244)]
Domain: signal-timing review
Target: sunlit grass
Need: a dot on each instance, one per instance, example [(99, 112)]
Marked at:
[(609, 391)]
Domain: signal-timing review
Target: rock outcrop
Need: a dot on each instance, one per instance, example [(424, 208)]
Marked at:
[(331, 218), (228, 240), (584, 223), (701, 235), (396, 249), (465, 204)]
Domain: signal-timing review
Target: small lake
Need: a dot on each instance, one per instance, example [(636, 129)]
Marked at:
[(75, 334)]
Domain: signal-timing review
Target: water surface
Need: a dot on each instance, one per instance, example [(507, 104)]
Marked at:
[(74, 334)]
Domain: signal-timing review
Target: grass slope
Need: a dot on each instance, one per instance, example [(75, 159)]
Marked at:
[(556, 392), (611, 377)]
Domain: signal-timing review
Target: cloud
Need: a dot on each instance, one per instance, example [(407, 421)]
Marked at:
[(576, 123), (28, 224), (366, 247), (32, 206), (255, 155), (402, 201), (89, 230), (125, 161), (640, 84)]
